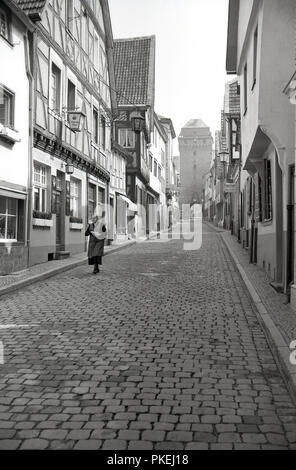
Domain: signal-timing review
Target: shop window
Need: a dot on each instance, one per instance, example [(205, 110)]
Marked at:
[(40, 188), (7, 99), (8, 218)]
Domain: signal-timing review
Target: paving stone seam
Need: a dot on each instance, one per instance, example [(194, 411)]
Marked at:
[(276, 342)]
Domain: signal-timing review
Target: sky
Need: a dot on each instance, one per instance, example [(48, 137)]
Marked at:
[(190, 54)]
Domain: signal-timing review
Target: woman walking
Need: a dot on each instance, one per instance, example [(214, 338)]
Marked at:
[(97, 232)]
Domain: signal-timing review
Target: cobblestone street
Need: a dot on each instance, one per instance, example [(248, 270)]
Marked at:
[(161, 350)]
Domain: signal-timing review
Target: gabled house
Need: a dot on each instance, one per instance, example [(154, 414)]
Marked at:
[(74, 104), (261, 52), (134, 62)]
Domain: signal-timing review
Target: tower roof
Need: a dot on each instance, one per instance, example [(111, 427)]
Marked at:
[(196, 124)]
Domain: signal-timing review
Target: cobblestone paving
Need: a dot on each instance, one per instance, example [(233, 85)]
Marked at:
[(282, 314), (162, 350)]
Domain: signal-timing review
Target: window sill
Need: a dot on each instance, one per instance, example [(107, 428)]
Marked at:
[(9, 134), (42, 222), (9, 240), (75, 226)]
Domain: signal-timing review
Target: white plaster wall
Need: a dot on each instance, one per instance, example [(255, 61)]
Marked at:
[(14, 159)]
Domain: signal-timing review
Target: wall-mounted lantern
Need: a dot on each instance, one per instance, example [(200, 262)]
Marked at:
[(76, 120), (69, 168), (138, 122)]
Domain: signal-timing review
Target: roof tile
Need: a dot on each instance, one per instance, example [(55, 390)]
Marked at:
[(31, 7), (134, 70)]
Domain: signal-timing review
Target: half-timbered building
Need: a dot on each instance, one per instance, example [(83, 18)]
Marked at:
[(74, 101), (134, 62)]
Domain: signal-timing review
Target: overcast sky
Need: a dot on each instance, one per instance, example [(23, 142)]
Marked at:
[(190, 53)]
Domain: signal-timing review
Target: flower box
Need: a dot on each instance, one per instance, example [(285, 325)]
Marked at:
[(75, 226), (42, 222), (10, 135)]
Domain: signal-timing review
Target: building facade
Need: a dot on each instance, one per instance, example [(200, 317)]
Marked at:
[(195, 146), (134, 60), (15, 143), (267, 129), (73, 110), (172, 173)]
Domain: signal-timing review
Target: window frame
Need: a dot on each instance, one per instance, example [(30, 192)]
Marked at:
[(75, 197), (90, 201), (11, 95), (72, 84), (41, 186), (56, 110), (103, 132), (128, 135), (95, 125), (6, 215)]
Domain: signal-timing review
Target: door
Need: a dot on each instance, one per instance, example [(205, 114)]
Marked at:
[(290, 231)]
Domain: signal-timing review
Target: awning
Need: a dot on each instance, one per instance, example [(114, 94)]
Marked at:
[(131, 205)]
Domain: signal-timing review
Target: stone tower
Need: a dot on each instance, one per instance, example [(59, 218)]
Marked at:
[(195, 146)]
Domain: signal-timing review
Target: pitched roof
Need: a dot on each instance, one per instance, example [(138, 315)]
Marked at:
[(32, 8), (134, 61)]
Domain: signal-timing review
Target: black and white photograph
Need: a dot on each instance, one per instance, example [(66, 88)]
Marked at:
[(147, 229)]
